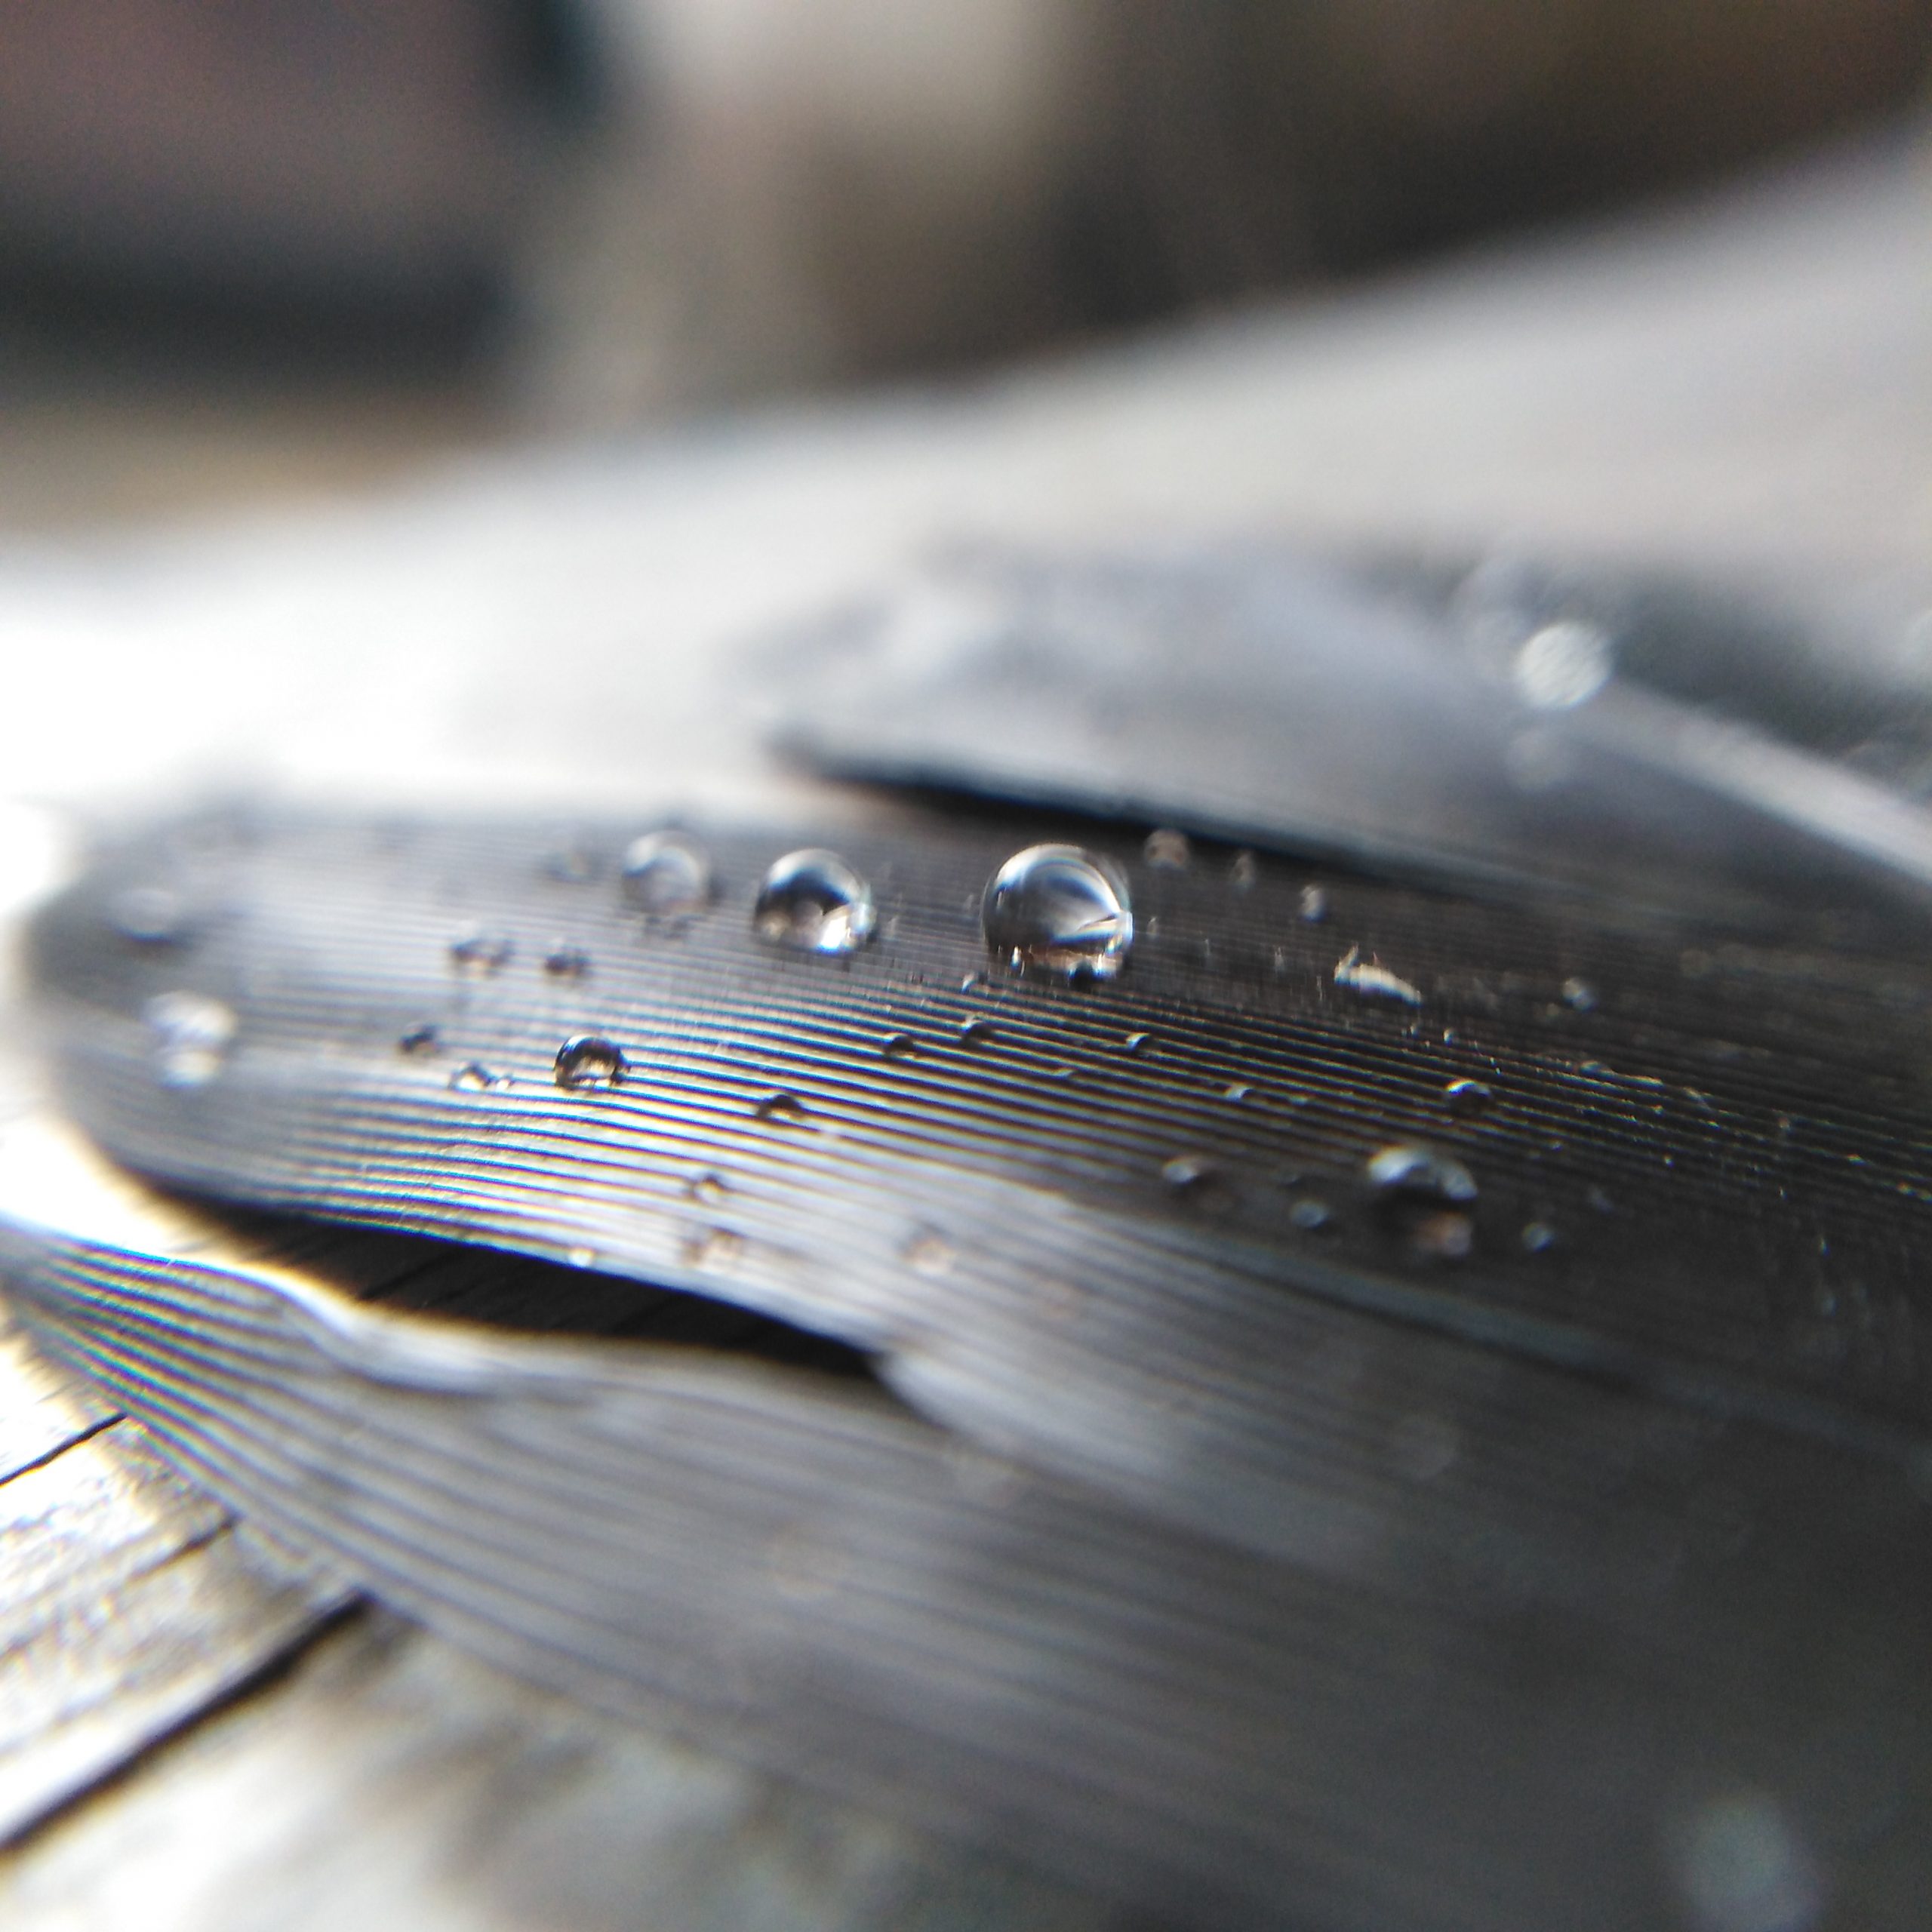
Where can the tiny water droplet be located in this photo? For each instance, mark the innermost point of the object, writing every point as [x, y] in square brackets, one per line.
[1314, 904]
[1579, 995]
[192, 1034]
[1190, 1173]
[973, 982]
[1561, 665]
[587, 1060]
[1447, 1236]
[1244, 871]
[1464, 1098]
[565, 962]
[708, 1189]
[1060, 911]
[482, 951]
[418, 1040]
[1414, 1170]
[978, 1033]
[475, 1078]
[581, 1257]
[901, 1046]
[666, 874]
[782, 1110]
[1537, 1237]
[1168, 850]
[1599, 1199]
[715, 1248]
[148, 914]
[1137, 1044]
[929, 1255]
[1371, 980]
[1237, 1090]
[1309, 1214]
[571, 864]
[813, 901]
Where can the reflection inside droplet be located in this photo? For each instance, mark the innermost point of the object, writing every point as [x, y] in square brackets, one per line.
[814, 901]
[589, 1060]
[1060, 911]
[192, 1034]
[1412, 1169]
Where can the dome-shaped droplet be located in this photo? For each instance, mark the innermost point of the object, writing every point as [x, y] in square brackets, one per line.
[1561, 665]
[482, 951]
[1309, 1214]
[782, 1110]
[192, 1034]
[148, 914]
[1168, 849]
[1057, 910]
[565, 962]
[476, 1078]
[1464, 1098]
[589, 1060]
[418, 1040]
[814, 901]
[666, 873]
[1414, 1170]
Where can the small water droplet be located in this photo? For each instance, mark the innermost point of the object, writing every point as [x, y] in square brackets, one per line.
[715, 1248]
[1464, 1098]
[1599, 1199]
[148, 914]
[1244, 871]
[1562, 665]
[901, 1046]
[422, 1039]
[1414, 1170]
[475, 1078]
[1309, 1214]
[565, 962]
[587, 1060]
[782, 1110]
[571, 864]
[1192, 1174]
[1058, 911]
[1168, 850]
[1447, 1236]
[708, 1189]
[1314, 904]
[1237, 1090]
[481, 952]
[973, 982]
[1579, 995]
[1372, 980]
[1137, 1044]
[192, 1034]
[814, 901]
[666, 874]
[1423, 1447]
[581, 1257]
[1537, 1237]
[978, 1033]
[931, 1256]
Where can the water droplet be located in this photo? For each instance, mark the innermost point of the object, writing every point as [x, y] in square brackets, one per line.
[1057, 910]
[1464, 1098]
[1137, 1044]
[1743, 1869]
[581, 1257]
[1562, 665]
[715, 1248]
[1423, 1447]
[782, 1110]
[1598, 1197]
[587, 1060]
[1309, 1214]
[571, 864]
[1168, 850]
[192, 1034]
[814, 901]
[1537, 1237]
[1578, 996]
[931, 1255]
[1448, 1236]
[666, 874]
[901, 1046]
[148, 914]
[1314, 904]
[978, 1033]
[1372, 980]
[418, 1040]
[482, 951]
[1412, 1169]
[972, 982]
[1237, 1090]
[709, 1188]
[565, 962]
[1244, 871]
[1190, 1173]
[476, 1078]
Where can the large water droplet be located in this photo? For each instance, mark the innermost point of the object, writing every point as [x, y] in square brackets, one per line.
[813, 900]
[1563, 665]
[1414, 1170]
[589, 1060]
[148, 914]
[667, 873]
[1057, 910]
[192, 1034]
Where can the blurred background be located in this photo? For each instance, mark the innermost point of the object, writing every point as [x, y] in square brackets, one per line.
[255, 250]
